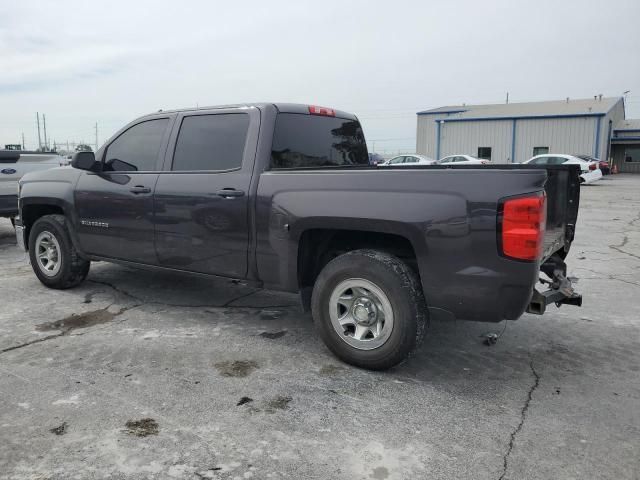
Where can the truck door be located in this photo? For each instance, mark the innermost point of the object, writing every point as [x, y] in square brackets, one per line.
[115, 206]
[202, 197]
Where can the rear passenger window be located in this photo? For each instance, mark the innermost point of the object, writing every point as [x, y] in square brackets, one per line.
[137, 148]
[211, 142]
[313, 141]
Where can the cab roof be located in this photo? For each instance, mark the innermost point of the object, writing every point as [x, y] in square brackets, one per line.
[300, 108]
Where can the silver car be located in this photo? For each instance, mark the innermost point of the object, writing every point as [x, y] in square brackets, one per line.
[407, 160]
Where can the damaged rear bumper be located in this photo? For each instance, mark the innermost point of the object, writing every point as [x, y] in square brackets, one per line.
[540, 300]
[561, 290]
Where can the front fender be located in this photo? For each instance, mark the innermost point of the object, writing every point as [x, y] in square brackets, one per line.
[46, 192]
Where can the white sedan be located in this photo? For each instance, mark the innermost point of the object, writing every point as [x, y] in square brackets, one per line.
[462, 160]
[590, 170]
[408, 161]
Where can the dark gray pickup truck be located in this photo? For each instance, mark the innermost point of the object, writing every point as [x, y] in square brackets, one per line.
[282, 196]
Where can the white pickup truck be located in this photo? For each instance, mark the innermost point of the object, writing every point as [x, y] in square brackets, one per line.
[13, 165]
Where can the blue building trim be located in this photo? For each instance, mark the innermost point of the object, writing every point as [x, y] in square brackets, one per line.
[524, 117]
[622, 139]
[513, 141]
[596, 146]
[438, 140]
[630, 130]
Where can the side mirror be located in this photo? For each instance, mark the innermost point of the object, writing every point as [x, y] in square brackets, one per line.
[84, 161]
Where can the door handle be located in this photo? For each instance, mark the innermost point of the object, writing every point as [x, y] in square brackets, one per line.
[230, 193]
[140, 189]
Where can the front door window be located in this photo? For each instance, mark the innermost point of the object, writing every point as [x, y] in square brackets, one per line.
[136, 150]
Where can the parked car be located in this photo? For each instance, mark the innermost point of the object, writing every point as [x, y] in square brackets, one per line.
[282, 196]
[375, 159]
[412, 160]
[462, 160]
[13, 165]
[602, 165]
[589, 169]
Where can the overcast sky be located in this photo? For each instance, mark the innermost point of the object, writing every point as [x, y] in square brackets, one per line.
[111, 61]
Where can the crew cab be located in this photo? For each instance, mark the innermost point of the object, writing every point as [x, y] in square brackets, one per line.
[282, 196]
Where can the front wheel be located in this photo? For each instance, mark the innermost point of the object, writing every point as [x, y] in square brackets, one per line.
[54, 258]
[369, 309]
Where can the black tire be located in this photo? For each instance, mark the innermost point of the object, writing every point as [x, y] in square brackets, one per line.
[73, 268]
[403, 290]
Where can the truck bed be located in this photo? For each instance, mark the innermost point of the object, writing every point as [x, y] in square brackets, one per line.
[448, 214]
[563, 198]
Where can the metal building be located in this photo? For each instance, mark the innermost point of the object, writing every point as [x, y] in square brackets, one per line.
[625, 146]
[514, 132]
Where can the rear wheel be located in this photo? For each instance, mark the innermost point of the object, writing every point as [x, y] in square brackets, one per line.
[54, 259]
[369, 309]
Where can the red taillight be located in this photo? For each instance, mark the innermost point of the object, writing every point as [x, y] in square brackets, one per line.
[327, 112]
[593, 166]
[522, 227]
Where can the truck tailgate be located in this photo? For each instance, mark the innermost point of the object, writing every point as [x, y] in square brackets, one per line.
[563, 198]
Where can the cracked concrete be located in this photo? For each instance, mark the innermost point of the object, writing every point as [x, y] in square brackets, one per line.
[523, 417]
[556, 397]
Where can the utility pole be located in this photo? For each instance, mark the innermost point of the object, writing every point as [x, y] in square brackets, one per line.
[507, 98]
[23, 141]
[96, 149]
[44, 126]
[39, 139]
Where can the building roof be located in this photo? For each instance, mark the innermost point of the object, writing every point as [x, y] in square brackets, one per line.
[577, 107]
[630, 124]
[447, 109]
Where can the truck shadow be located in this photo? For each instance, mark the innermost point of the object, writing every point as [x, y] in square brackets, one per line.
[454, 355]
[451, 350]
[7, 238]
